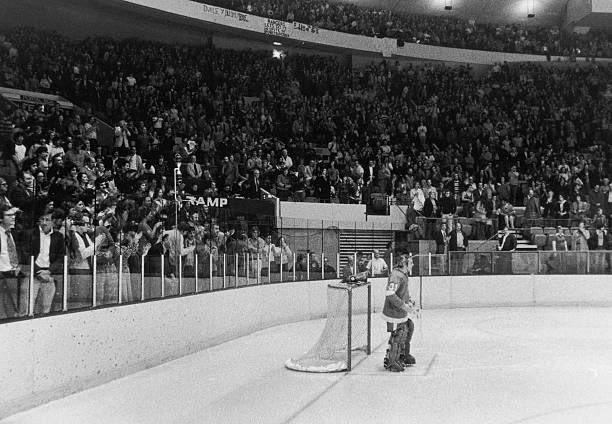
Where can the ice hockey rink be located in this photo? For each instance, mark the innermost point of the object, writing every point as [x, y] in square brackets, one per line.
[490, 365]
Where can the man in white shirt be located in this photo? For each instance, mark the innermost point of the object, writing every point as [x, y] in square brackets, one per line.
[47, 249]
[20, 150]
[377, 265]
[422, 132]
[285, 159]
[176, 247]
[135, 167]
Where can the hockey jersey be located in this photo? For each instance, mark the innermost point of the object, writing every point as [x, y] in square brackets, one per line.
[397, 295]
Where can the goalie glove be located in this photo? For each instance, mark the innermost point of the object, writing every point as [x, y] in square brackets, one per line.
[412, 310]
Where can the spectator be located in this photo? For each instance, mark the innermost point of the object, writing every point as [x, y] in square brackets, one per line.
[4, 200]
[81, 251]
[532, 209]
[47, 247]
[457, 245]
[448, 208]
[579, 209]
[562, 210]
[284, 255]
[11, 277]
[580, 243]
[507, 245]
[508, 213]
[258, 250]
[431, 212]
[377, 266]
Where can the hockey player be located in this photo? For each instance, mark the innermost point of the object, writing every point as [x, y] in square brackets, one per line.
[398, 311]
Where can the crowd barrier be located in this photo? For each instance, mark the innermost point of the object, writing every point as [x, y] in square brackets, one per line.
[146, 278]
[49, 358]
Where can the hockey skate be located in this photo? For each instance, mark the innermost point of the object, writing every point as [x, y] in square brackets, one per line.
[394, 366]
[408, 360]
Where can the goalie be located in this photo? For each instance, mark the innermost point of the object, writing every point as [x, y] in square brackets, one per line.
[398, 311]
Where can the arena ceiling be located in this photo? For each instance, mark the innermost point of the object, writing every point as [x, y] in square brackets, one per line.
[547, 12]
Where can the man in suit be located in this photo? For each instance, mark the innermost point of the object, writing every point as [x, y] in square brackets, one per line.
[507, 243]
[431, 211]
[47, 249]
[192, 170]
[252, 187]
[23, 197]
[442, 238]
[457, 244]
[10, 271]
[370, 172]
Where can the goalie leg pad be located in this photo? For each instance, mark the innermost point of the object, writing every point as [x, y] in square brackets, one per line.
[408, 330]
[393, 360]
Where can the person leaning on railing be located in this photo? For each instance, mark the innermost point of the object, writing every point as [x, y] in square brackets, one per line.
[448, 208]
[580, 243]
[47, 249]
[377, 266]
[458, 243]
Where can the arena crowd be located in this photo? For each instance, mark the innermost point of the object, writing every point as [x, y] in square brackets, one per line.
[447, 141]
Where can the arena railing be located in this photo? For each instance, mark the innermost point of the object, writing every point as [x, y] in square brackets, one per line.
[128, 279]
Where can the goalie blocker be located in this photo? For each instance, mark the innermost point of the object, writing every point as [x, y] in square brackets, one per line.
[399, 311]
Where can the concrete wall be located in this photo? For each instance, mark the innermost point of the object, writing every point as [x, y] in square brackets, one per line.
[515, 290]
[51, 357]
[342, 216]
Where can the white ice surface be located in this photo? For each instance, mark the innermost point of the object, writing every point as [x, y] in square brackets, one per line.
[498, 365]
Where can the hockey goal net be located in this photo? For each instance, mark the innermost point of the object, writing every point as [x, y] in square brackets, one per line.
[347, 332]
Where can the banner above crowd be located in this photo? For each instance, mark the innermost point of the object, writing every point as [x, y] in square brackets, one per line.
[386, 47]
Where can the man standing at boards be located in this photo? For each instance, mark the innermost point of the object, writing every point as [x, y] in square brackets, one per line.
[47, 247]
[507, 245]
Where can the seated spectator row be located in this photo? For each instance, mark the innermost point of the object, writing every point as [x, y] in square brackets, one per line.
[429, 29]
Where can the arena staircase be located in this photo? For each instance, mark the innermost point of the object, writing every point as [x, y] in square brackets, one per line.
[523, 243]
[352, 241]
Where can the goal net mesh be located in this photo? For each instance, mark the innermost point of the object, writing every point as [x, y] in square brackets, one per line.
[329, 354]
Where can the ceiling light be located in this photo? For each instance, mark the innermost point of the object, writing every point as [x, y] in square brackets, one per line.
[276, 43]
